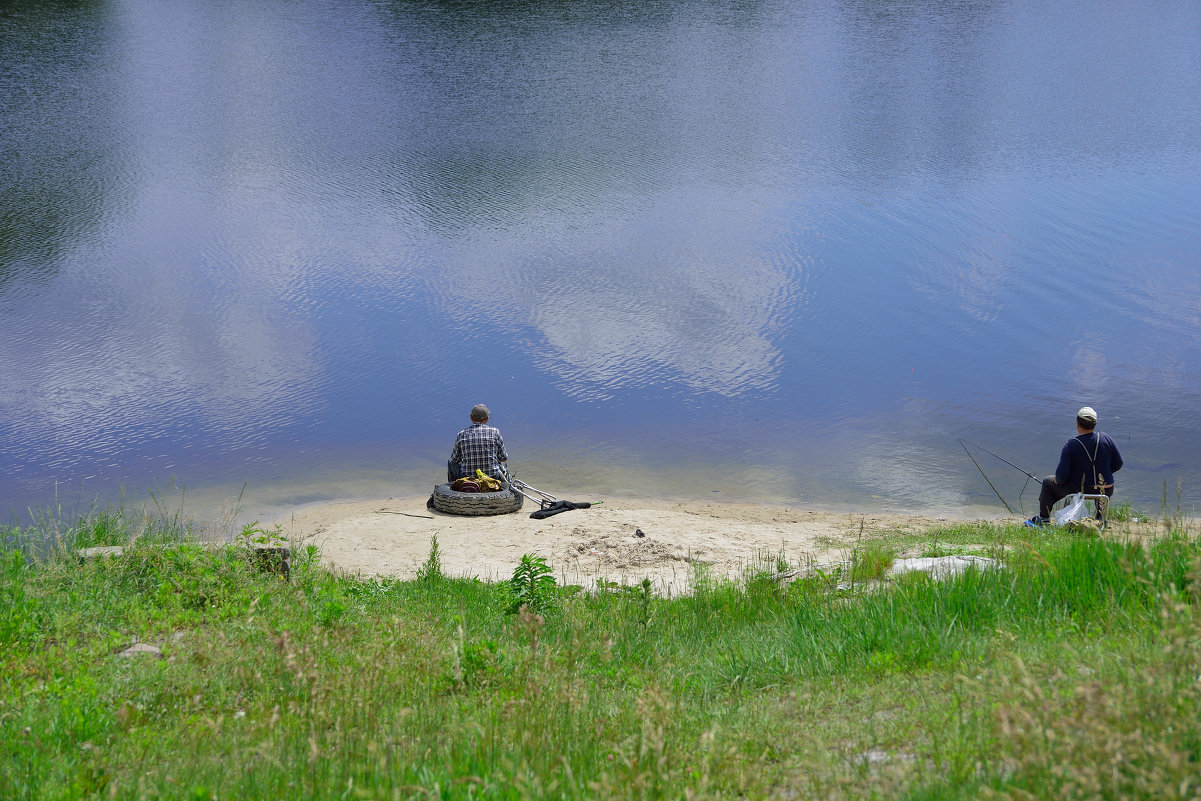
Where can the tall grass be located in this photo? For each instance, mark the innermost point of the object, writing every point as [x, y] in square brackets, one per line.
[1035, 680]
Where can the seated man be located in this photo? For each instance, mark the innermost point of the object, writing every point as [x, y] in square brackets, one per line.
[477, 447]
[1086, 464]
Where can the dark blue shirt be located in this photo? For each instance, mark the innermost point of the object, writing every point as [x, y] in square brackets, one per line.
[1088, 461]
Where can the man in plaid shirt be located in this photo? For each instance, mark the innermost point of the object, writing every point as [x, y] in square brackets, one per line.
[478, 447]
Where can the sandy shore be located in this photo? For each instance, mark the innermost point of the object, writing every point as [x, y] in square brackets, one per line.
[621, 539]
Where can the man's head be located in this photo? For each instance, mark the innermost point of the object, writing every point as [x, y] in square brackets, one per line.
[479, 413]
[1086, 418]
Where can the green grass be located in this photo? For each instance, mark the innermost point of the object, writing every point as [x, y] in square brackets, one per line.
[1071, 673]
[870, 561]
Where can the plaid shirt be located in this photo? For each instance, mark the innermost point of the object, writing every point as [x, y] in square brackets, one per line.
[479, 447]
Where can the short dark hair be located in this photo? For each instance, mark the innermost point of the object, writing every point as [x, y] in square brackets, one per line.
[1087, 425]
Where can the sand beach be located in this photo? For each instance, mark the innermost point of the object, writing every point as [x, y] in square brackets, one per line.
[619, 539]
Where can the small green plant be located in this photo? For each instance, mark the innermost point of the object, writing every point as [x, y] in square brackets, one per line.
[644, 593]
[309, 556]
[871, 562]
[306, 563]
[477, 664]
[914, 578]
[1173, 521]
[766, 576]
[330, 606]
[254, 534]
[936, 549]
[100, 529]
[431, 570]
[1121, 513]
[762, 584]
[19, 614]
[1126, 513]
[532, 585]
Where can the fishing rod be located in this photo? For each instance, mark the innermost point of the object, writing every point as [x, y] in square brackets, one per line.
[1026, 473]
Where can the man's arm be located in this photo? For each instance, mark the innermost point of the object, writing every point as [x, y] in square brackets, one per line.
[1115, 461]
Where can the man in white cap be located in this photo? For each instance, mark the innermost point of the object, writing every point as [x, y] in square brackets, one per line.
[477, 447]
[1086, 464]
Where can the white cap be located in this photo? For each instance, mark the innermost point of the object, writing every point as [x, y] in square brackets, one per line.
[1087, 413]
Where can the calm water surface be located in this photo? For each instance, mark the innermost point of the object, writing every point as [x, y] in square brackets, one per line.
[741, 250]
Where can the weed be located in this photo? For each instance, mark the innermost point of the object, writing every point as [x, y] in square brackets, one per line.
[20, 615]
[309, 556]
[643, 594]
[104, 528]
[1123, 513]
[478, 664]
[254, 534]
[532, 585]
[331, 605]
[936, 549]
[912, 579]
[1173, 519]
[818, 583]
[431, 569]
[870, 562]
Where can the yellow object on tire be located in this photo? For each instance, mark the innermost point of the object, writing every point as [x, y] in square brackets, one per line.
[487, 483]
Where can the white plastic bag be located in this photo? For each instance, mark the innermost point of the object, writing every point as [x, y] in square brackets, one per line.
[1074, 510]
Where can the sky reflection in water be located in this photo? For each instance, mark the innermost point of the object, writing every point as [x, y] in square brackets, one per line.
[774, 252]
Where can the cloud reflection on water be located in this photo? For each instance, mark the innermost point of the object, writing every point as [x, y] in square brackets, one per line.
[682, 296]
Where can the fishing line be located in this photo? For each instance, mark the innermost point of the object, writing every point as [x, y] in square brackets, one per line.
[1026, 473]
[981, 469]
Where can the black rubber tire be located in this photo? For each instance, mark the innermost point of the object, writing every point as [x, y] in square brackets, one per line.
[450, 502]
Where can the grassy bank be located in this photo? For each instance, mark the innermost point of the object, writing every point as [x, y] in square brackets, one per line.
[1073, 672]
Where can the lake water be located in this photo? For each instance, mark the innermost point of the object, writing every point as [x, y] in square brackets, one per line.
[735, 250]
